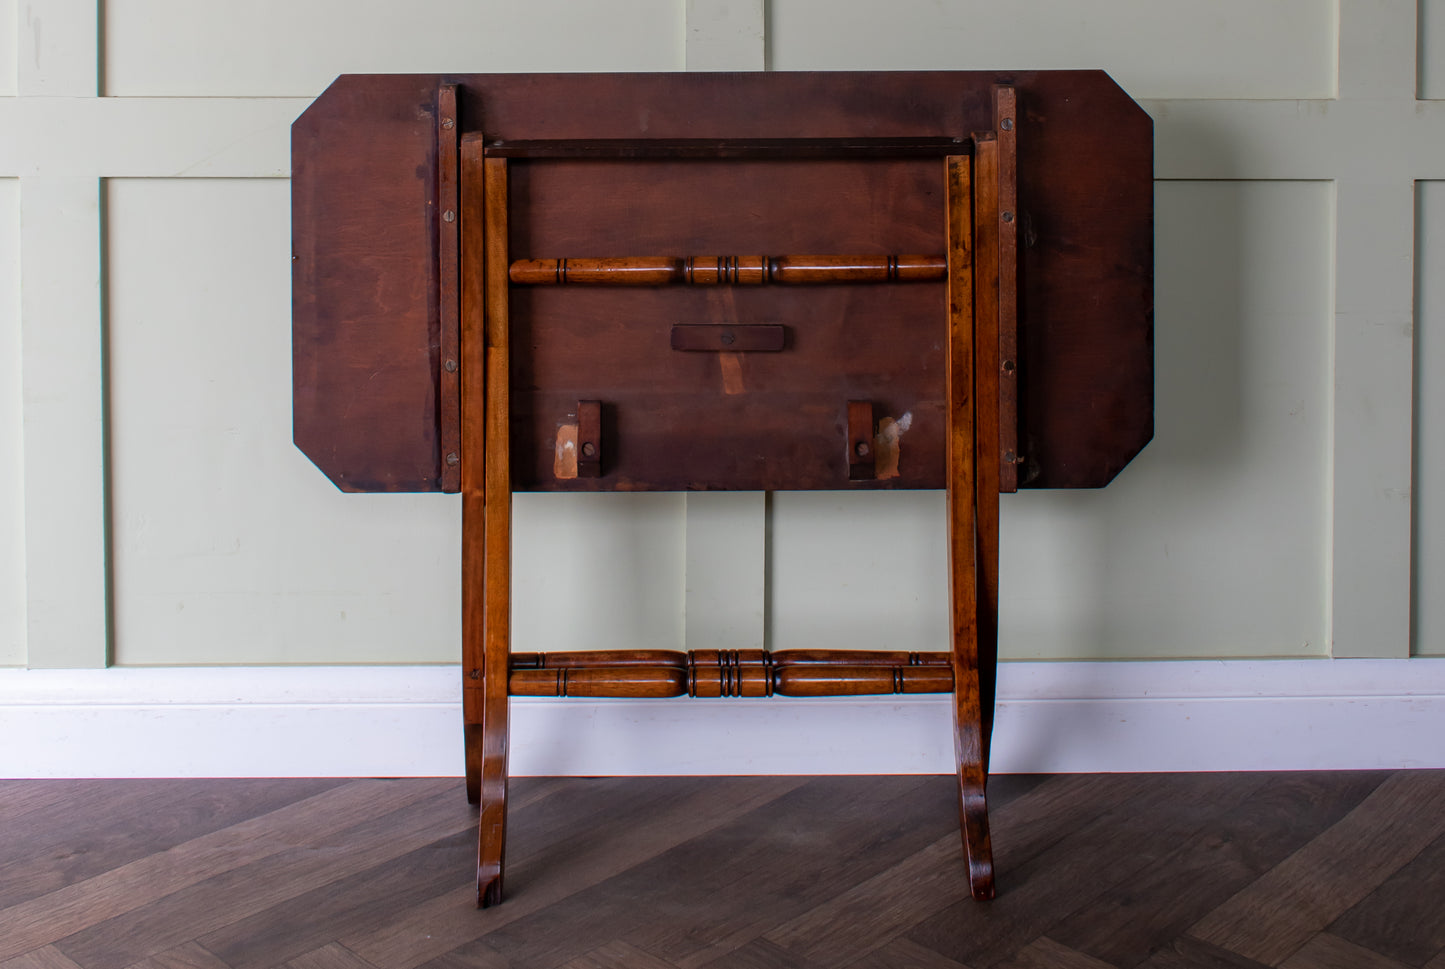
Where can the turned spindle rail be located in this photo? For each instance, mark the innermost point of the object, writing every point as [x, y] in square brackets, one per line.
[728, 673]
[729, 270]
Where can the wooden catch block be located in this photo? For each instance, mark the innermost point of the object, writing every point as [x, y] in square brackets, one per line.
[860, 440]
[589, 438]
[729, 337]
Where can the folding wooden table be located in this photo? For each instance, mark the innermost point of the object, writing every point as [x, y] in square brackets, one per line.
[848, 281]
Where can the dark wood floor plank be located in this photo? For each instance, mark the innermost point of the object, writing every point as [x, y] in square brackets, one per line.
[1160, 812]
[762, 954]
[473, 955]
[617, 955]
[1189, 953]
[55, 915]
[45, 957]
[1326, 951]
[1045, 953]
[551, 857]
[735, 884]
[345, 906]
[867, 915]
[102, 825]
[308, 863]
[1278, 913]
[904, 953]
[187, 955]
[701, 881]
[761, 873]
[333, 956]
[1411, 897]
[1125, 926]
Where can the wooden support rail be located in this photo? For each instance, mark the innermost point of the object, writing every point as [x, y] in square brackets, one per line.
[728, 270]
[733, 673]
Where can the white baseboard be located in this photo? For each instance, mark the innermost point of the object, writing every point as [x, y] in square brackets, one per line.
[406, 721]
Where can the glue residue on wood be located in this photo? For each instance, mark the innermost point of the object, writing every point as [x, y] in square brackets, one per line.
[887, 445]
[564, 458]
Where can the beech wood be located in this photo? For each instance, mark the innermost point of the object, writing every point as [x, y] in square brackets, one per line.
[962, 532]
[728, 270]
[491, 840]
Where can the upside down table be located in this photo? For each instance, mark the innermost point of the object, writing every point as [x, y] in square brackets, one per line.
[723, 281]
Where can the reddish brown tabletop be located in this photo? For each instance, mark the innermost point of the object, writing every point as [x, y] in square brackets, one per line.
[371, 393]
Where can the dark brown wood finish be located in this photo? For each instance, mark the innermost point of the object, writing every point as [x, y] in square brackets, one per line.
[963, 528]
[449, 387]
[497, 563]
[1006, 131]
[473, 371]
[368, 361]
[987, 220]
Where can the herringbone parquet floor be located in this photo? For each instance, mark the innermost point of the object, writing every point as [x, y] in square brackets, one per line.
[1191, 871]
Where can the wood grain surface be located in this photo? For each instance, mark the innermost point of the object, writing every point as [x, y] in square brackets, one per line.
[1113, 870]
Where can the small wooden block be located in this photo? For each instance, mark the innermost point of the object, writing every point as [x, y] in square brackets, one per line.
[589, 439]
[860, 440]
[729, 337]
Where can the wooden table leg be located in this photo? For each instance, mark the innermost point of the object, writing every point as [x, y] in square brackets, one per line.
[970, 741]
[486, 504]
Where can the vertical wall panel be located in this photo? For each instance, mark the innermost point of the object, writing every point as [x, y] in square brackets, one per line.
[12, 460]
[280, 47]
[1212, 543]
[229, 546]
[1153, 48]
[9, 52]
[1429, 530]
[1431, 40]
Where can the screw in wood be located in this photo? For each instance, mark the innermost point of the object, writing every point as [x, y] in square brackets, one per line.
[1007, 217]
[449, 216]
[451, 366]
[1008, 124]
[861, 449]
[589, 449]
[453, 459]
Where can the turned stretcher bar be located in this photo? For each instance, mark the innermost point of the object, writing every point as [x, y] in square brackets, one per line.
[659, 673]
[728, 270]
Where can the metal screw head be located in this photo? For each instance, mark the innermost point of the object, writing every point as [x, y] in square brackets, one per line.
[453, 459]
[1007, 124]
[861, 449]
[449, 216]
[1007, 217]
[589, 449]
[451, 366]
[726, 339]
[1008, 458]
[1008, 366]
[448, 123]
